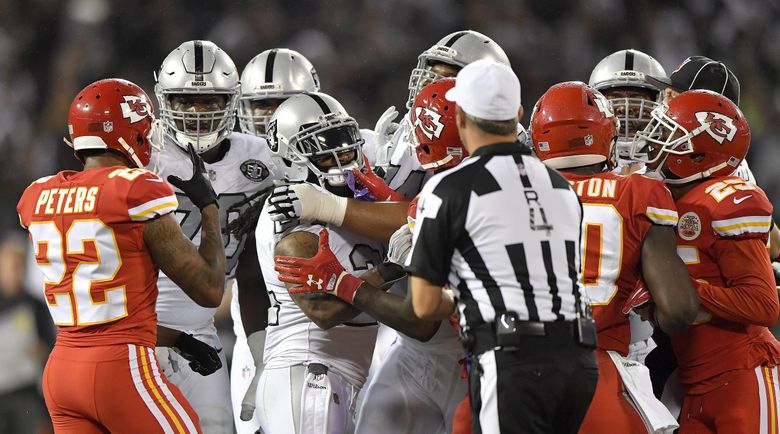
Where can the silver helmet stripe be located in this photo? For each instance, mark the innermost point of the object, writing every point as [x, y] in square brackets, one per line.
[198, 60]
[321, 102]
[629, 60]
[454, 38]
[269, 66]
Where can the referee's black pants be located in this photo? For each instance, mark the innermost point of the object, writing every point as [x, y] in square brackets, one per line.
[544, 385]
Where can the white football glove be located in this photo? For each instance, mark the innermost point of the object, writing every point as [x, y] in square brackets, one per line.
[305, 202]
[400, 245]
[384, 130]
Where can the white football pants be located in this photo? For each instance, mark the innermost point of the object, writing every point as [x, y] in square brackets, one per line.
[412, 392]
[209, 395]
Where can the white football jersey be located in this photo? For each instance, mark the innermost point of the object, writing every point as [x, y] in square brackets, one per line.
[244, 170]
[291, 337]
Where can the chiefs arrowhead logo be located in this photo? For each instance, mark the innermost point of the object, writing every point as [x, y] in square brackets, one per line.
[429, 122]
[134, 108]
[721, 127]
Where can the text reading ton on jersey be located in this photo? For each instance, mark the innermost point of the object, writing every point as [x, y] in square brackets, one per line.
[69, 200]
[597, 187]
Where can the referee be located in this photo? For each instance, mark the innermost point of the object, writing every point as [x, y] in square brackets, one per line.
[503, 231]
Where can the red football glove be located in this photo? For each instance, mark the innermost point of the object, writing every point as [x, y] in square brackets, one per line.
[639, 298]
[320, 274]
[376, 185]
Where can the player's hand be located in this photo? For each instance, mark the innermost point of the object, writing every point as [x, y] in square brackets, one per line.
[291, 203]
[284, 205]
[384, 129]
[376, 185]
[400, 245]
[320, 274]
[198, 188]
[204, 359]
[640, 301]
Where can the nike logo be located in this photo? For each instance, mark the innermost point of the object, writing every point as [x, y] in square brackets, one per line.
[738, 201]
[154, 179]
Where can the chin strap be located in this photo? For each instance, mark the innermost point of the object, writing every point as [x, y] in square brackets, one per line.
[130, 152]
[696, 176]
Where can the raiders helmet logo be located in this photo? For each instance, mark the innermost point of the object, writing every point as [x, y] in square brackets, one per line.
[134, 108]
[254, 170]
[429, 122]
[721, 127]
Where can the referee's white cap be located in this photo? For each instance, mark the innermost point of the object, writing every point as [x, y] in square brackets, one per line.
[487, 90]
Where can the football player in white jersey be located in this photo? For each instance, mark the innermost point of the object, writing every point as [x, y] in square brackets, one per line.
[197, 90]
[623, 78]
[318, 348]
[395, 157]
[267, 80]
[418, 384]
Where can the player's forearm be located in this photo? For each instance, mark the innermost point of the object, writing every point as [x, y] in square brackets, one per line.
[326, 311]
[376, 220]
[213, 253]
[394, 311]
[166, 337]
[753, 301]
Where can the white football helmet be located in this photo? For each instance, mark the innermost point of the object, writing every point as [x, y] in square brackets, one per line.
[308, 129]
[193, 69]
[278, 73]
[626, 70]
[458, 49]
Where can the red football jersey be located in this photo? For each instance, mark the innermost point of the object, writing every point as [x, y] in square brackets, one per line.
[721, 236]
[617, 213]
[87, 234]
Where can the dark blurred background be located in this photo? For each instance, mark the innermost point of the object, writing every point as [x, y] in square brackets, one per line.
[363, 52]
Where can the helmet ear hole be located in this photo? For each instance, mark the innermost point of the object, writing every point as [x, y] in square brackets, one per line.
[426, 149]
[697, 158]
[140, 140]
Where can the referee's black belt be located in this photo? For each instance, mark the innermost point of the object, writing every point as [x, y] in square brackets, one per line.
[483, 338]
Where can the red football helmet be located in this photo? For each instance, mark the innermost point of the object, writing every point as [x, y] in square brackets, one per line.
[436, 138]
[700, 134]
[572, 125]
[112, 114]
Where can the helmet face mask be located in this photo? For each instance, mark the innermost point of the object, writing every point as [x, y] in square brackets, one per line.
[700, 134]
[255, 114]
[621, 77]
[197, 90]
[455, 51]
[309, 144]
[268, 79]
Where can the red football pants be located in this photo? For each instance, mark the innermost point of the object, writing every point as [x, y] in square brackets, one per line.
[745, 402]
[610, 411]
[116, 389]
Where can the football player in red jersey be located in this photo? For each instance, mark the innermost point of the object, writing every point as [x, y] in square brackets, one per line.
[728, 358]
[99, 236]
[627, 232]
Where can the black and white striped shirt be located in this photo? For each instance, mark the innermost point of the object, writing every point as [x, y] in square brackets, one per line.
[503, 230]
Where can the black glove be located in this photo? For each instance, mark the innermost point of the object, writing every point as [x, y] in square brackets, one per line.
[198, 188]
[203, 358]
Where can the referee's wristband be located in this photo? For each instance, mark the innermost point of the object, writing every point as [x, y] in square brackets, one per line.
[390, 272]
